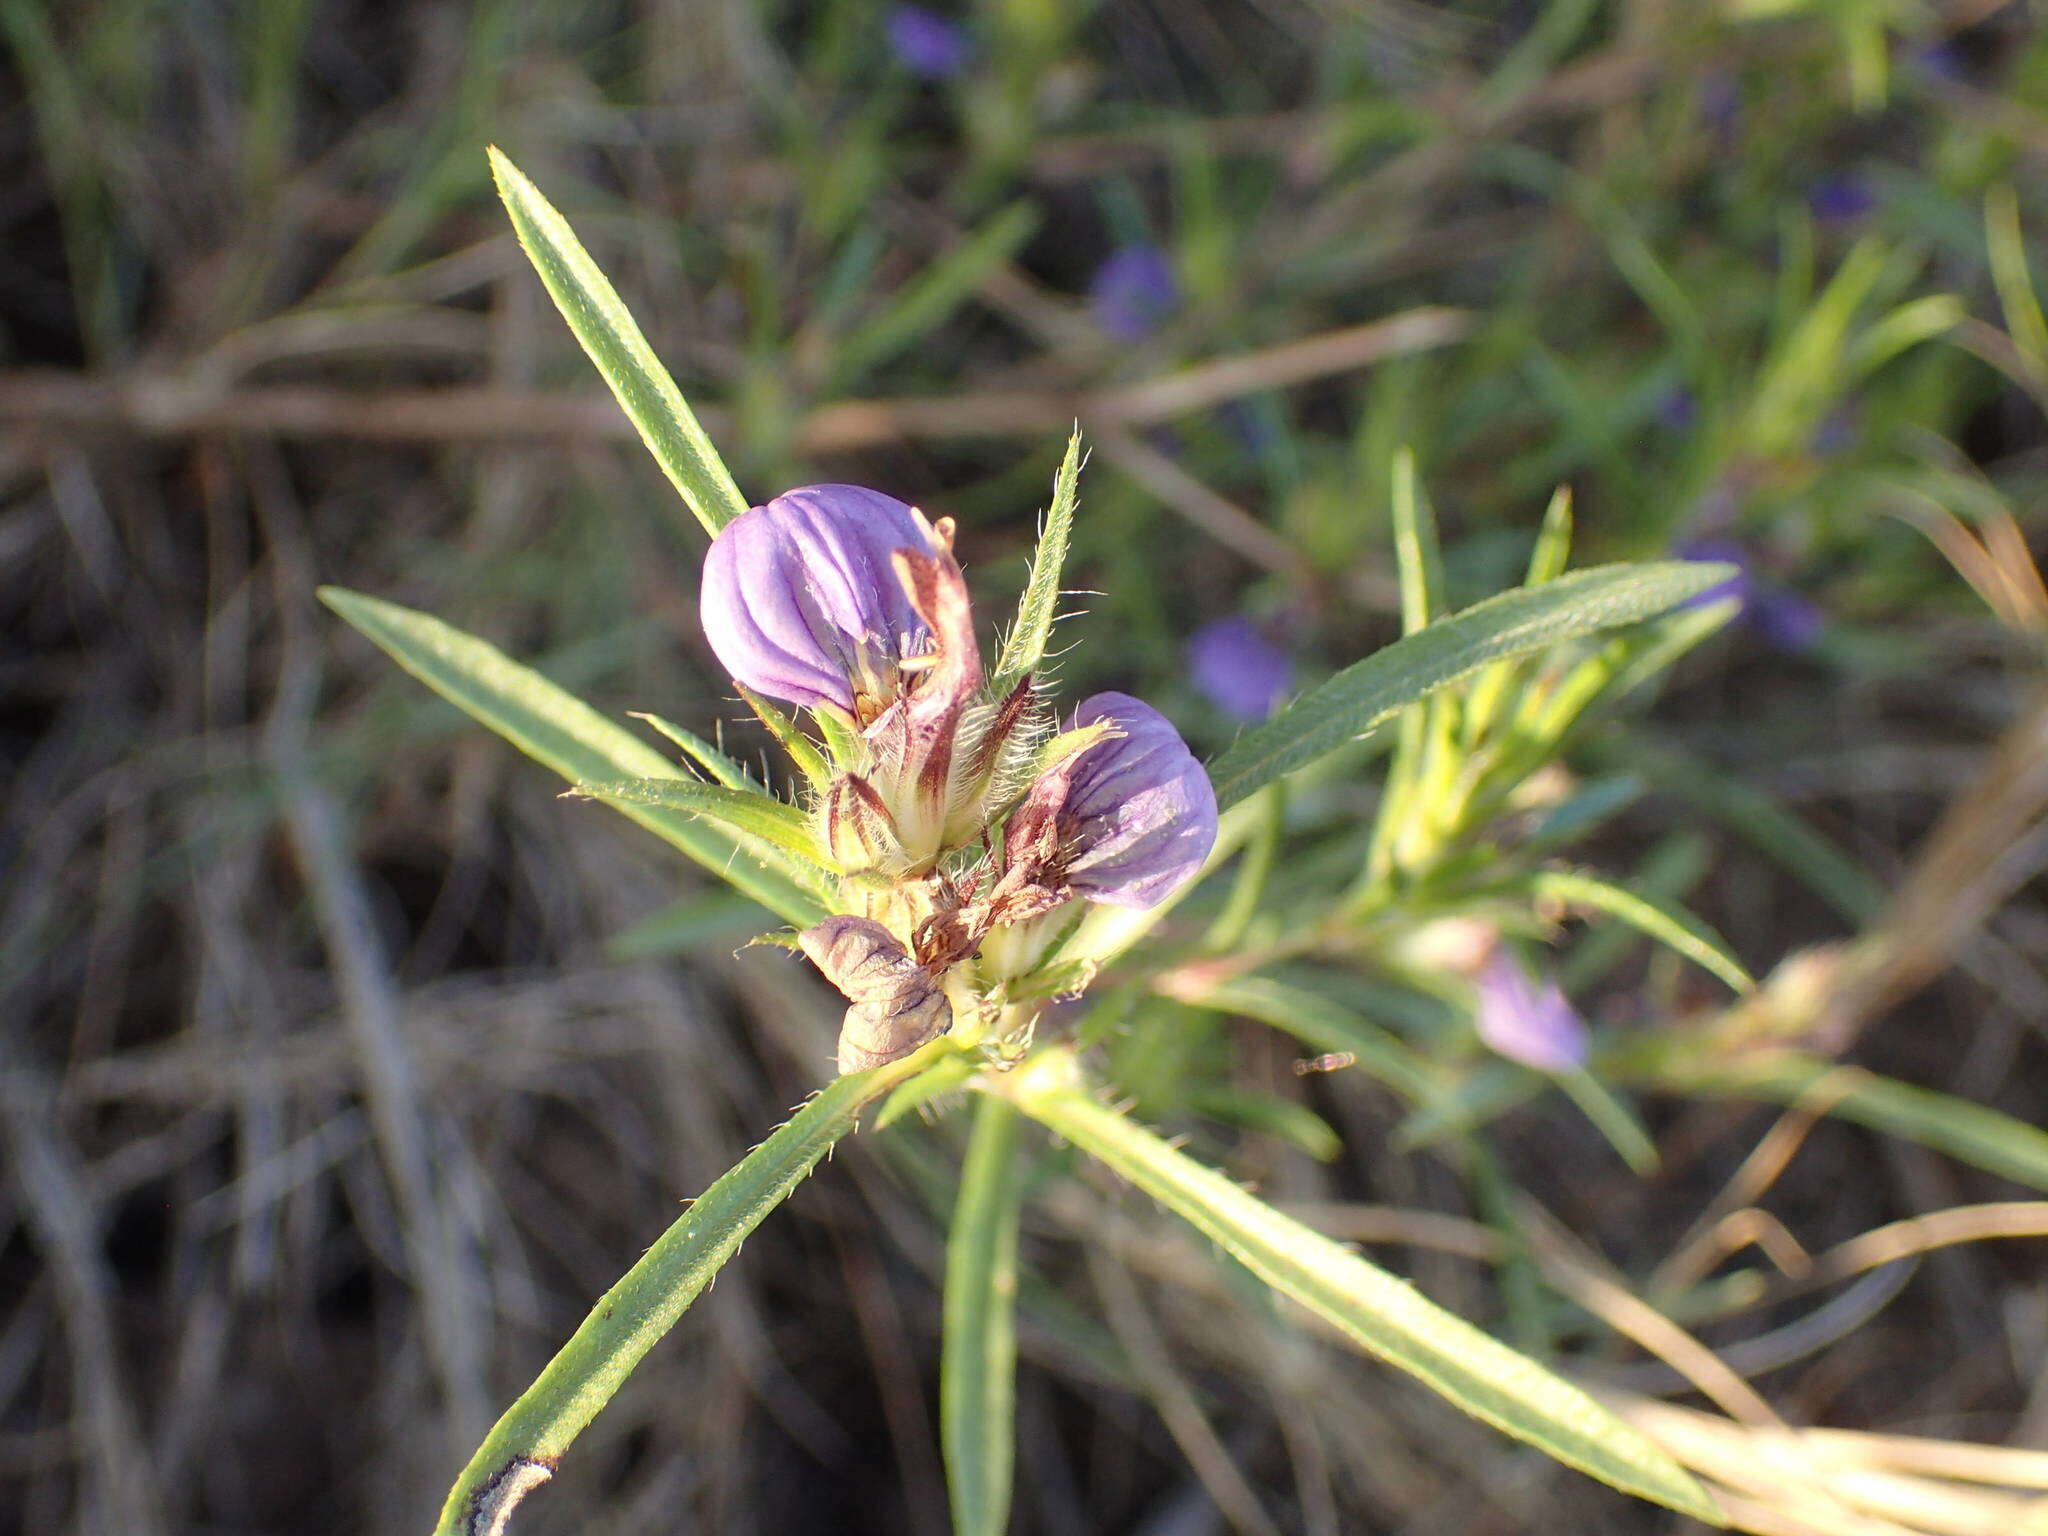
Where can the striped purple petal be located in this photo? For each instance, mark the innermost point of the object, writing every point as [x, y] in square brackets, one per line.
[1139, 811]
[801, 601]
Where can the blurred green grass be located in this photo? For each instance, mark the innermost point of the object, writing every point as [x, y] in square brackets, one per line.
[1754, 274]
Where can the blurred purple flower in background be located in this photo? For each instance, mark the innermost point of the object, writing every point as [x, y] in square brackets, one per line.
[1841, 199]
[1721, 105]
[1942, 62]
[1236, 668]
[927, 44]
[1677, 410]
[1779, 615]
[1133, 291]
[1527, 1020]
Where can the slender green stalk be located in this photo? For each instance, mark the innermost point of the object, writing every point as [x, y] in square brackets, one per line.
[523, 1448]
[1363, 1302]
[1254, 872]
[977, 1376]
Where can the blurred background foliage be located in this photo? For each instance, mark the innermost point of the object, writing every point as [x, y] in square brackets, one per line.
[344, 1063]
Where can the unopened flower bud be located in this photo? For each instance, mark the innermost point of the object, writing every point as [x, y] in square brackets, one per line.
[801, 601]
[859, 832]
[1138, 818]
[894, 1005]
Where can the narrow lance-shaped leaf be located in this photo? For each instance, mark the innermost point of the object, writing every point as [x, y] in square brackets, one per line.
[1378, 1312]
[942, 286]
[599, 318]
[558, 729]
[1369, 692]
[1666, 922]
[1977, 1134]
[977, 1373]
[1416, 553]
[736, 810]
[1025, 647]
[523, 1448]
[704, 754]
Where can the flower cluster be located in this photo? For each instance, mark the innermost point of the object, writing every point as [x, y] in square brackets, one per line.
[964, 826]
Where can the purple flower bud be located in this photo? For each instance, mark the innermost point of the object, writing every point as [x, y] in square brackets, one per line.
[1139, 816]
[1526, 1020]
[927, 44]
[1133, 291]
[1238, 669]
[801, 600]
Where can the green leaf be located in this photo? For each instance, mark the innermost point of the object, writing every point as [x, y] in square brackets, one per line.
[977, 1373]
[940, 287]
[598, 316]
[711, 759]
[1666, 922]
[947, 1076]
[1383, 1315]
[810, 762]
[719, 920]
[737, 810]
[1323, 1025]
[1969, 1132]
[1416, 555]
[1025, 646]
[1614, 1120]
[1553, 540]
[559, 730]
[522, 1448]
[1369, 692]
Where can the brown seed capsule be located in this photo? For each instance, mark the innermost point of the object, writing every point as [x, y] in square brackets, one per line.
[893, 1004]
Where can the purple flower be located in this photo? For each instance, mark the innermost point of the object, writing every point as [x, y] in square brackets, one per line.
[1677, 410]
[1785, 619]
[1238, 669]
[1142, 814]
[1781, 616]
[1840, 199]
[1942, 62]
[1721, 105]
[1526, 1020]
[1125, 822]
[927, 44]
[1133, 291]
[802, 602]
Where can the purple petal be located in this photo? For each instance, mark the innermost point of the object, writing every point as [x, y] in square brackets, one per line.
[1238, 669]
[800, 600]
[1139, 808]
[1133, 291]
[926, 43]
[1526, 1020]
